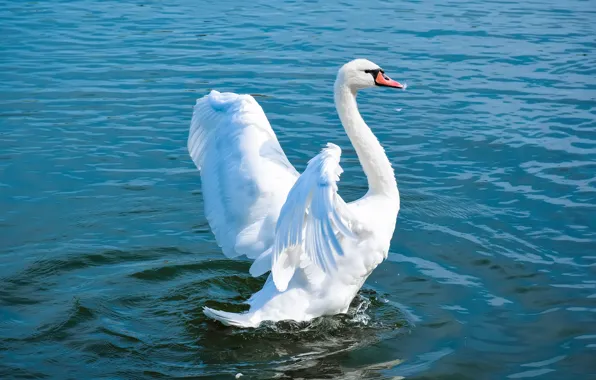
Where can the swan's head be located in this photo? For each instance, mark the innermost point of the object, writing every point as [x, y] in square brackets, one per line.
[362, 73]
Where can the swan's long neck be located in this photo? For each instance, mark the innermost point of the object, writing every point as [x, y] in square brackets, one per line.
[374, 161]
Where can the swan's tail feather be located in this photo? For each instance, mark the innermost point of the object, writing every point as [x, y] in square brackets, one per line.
[230, 319]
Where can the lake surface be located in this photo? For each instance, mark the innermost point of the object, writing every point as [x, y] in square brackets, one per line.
[106, 258]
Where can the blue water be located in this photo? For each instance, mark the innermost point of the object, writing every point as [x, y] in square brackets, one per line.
[106, 258]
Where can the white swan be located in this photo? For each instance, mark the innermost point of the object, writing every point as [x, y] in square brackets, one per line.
[319, 249]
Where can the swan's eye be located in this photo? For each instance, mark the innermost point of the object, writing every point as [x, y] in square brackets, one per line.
[374, 72]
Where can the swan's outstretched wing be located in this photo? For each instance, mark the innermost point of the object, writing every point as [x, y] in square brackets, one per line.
[313, 220]
[245, 174]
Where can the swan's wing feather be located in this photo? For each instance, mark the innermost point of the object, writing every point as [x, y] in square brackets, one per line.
[245, 174]
[311, 219]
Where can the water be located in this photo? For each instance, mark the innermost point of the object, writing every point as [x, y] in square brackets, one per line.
[105, 255]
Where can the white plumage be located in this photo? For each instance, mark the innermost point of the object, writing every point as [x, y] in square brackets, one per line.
[319, 249]
[245, 173]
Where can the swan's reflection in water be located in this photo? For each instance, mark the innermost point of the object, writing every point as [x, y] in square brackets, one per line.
[318, 349]
[319, 368]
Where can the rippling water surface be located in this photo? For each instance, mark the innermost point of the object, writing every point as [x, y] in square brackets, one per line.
[106, 258]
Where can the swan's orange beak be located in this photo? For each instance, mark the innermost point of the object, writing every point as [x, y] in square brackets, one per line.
[383, 80]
